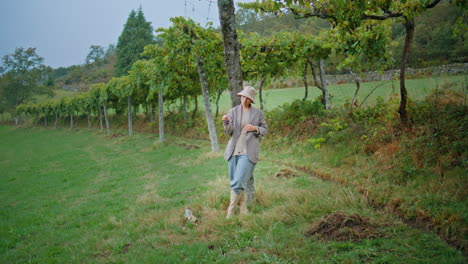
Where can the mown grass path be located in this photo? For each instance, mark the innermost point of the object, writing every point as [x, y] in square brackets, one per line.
[81, 197]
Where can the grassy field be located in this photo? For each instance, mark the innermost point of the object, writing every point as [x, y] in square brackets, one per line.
[81, 197]
[341, 93]
[58, 94]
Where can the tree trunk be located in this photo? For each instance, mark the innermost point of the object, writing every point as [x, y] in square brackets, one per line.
[45, 120]
[56, 119]
[306, 86]
[161, 114]
[151, 110]
[357, 80]
[130, 118]
[35, 120]
[206, 99]
[260, 93]
[409, 26]
[317, 82]
[353, 102]
[71, 120]
[184, 107]
[106, 118]
[100, 117]
[89, 120]
[231, 48]
[195, 110]
[323, 81]
[218, 96]
[16, 120]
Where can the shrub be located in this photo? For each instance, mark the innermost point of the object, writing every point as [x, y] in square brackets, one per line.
[377, 125]
[440, 127]
[330, 131]
[296, 119]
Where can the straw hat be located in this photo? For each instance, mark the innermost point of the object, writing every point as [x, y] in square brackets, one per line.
[249, 92]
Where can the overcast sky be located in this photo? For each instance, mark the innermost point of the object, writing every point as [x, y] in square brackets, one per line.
[63, 30]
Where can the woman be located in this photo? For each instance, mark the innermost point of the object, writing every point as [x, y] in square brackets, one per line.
[246, 125]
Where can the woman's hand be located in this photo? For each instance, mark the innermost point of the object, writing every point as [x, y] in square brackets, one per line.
[250, 127]
[225, 117]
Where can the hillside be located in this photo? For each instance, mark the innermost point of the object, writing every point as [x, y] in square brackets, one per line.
[78, 78]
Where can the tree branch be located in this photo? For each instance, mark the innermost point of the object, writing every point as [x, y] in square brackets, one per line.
[325, 15]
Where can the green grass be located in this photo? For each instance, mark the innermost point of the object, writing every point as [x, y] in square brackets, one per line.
[81, 197]
[58, 94]
[417, 89]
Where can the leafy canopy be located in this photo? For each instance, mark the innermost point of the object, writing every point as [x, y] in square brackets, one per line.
[23, 76]
[137, 33]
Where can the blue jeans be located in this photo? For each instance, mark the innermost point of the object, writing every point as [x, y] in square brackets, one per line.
[240, 171]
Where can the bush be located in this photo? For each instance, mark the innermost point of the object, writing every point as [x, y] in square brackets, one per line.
[331, 131]
[440, 128]
[296, 119]
[376, 125]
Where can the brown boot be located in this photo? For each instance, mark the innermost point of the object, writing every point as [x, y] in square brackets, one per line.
[233, 201]
[243, 203]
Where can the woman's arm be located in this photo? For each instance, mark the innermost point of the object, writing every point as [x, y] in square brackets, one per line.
[262, 127]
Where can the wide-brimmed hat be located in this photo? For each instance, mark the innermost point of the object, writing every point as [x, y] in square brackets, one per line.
[249, 92]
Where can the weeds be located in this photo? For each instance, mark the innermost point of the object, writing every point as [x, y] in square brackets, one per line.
[405, 162]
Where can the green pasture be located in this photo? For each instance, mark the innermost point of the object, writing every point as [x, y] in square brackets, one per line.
[341, 93]
[82, 197]
[58, 94]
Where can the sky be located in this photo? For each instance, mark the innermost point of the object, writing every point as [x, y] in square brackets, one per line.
[63, 30]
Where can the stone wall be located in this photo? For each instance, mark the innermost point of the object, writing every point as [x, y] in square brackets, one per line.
[450, 69]
[72, 88]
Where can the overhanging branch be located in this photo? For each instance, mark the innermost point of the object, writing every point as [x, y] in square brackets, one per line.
[325, 15]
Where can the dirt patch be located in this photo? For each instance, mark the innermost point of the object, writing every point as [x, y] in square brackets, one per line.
[286, 173]
[343, 227]
[187, 146]
[125, 248]
[104, 254]
[116, 135]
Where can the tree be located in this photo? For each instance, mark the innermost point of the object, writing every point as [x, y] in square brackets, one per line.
[125, 90]
[307, 50]
[434, 39]
[110, 51]
[96, 54]
[231, 48]
[56, 110]
[94, 97]
[101, 95]
[137, 33]
[362, 50]
[349, 15]
[70, 106]
[25, 75]
[197, 44]
[161, 72]
[155, 77]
